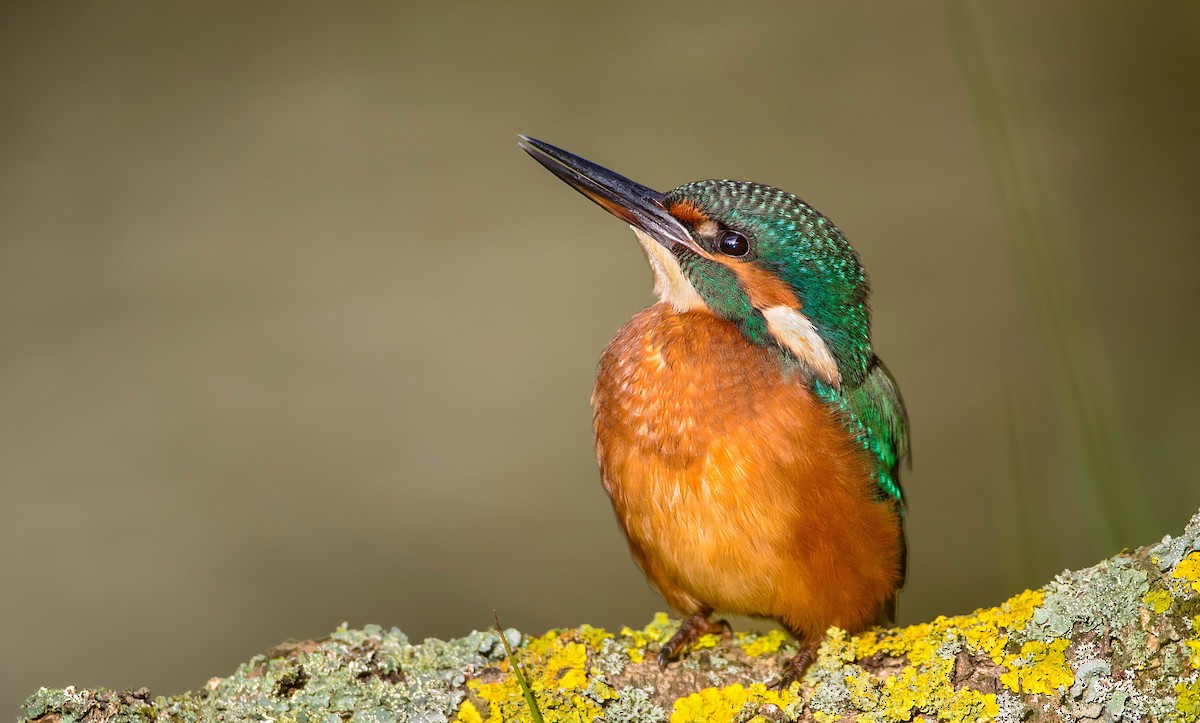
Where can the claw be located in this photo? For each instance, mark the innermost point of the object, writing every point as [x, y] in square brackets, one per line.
[664, 659]
[689, 632]
[794, 669]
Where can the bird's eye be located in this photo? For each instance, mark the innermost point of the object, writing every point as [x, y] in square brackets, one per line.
[733, 243]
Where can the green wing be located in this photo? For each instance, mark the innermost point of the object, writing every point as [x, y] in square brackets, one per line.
[875, 413]
[876, 409]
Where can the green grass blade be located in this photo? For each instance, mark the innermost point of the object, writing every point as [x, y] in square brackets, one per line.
[534, 712]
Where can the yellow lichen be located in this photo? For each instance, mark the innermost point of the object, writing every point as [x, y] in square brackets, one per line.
[922, 651]
[864, 691]
[567, 667]
[604, 691]
[970, 706]
[503, 699]
[1193, 647]
[836, 648]
[468, 714]
[764, 643]
[1187, 701]
[1040, 668]
[984, 631]
[1157, 600]
[724, 704]
[925, 685]
[594, 637]
[930, 690]
[660, 629]
[1188, 570]
[1016, 611]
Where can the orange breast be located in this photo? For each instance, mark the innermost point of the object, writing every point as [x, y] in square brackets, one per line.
[737, 489]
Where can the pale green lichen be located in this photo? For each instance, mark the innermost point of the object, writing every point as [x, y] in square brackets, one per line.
[1171, 550]
[370, 674]
[634, 705]
[1091, 600]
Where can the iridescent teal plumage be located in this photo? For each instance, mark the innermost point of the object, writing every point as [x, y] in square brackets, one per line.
[876, 414]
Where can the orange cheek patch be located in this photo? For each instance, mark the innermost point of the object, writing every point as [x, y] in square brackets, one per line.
[689, 213]
[764, 289]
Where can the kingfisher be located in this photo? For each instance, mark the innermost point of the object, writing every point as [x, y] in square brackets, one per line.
[747, 434]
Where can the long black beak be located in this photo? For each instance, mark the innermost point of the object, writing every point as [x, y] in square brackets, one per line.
[633, 203]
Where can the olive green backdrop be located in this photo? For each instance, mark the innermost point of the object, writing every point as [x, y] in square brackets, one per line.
[291, 333]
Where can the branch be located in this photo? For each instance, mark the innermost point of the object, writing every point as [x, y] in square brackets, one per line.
[1118, 641]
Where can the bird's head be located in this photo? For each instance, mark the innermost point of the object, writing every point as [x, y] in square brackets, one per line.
[752, 254]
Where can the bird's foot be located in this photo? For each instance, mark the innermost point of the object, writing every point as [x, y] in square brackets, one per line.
[689, 632]
[794, 669]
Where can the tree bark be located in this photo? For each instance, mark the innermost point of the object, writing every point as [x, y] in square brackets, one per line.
[1119, 641]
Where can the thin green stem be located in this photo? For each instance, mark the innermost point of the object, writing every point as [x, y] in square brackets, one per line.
[534, 712]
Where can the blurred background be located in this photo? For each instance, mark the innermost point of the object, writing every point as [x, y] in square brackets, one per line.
[291, 333]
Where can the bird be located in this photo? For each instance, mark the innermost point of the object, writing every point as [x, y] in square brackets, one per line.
[748, 436]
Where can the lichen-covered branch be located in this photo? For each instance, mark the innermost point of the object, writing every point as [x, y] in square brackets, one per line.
[1116, 642]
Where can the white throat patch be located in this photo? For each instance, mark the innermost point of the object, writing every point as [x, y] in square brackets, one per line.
[670, 284]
